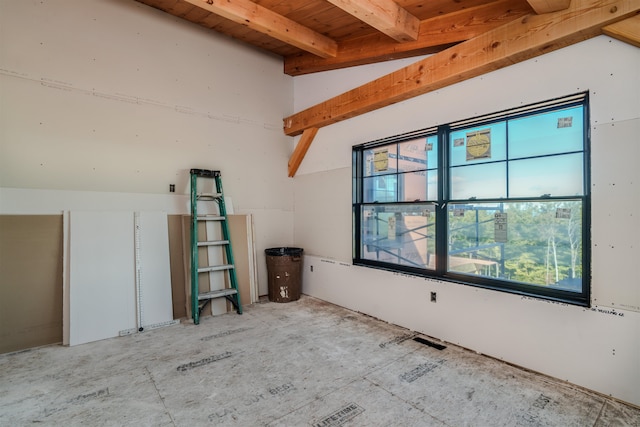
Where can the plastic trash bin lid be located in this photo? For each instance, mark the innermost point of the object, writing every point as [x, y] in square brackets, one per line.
[283, 251]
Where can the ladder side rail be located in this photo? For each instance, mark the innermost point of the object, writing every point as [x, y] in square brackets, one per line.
[228, 251]
[195, 310]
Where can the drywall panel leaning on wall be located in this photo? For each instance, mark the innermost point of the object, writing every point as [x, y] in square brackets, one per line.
[119, 275]
[153, 272]
[102, 275]
[241, 231]
[244, 255]
[30, 281]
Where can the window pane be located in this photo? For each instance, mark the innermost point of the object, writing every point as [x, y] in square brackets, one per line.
[548, 133]
[413, 186]
[380, 189]
[418, 186]
[555, 176]
[412, 155]
[432, 152]
[399, 234]
[479, 181]
[380, 160]
[480, 144]
[432, 185]
[537, 243]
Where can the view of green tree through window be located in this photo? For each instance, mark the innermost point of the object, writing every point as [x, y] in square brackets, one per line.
[499, 201]
[538, 243]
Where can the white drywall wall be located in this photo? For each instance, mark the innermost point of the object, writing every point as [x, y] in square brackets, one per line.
[599, 347]
[104, 104]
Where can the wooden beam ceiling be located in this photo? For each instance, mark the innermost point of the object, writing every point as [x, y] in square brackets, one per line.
[434, 33]
[466, 38]
[627, 30]
[320, 35]
[261, 19]
[384, 15]
[511, 43]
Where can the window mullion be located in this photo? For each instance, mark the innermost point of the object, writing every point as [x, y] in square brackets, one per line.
[357, 204]
[507, 160]
[443, 197]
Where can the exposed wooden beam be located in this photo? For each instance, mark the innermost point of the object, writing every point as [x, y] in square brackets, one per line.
[301, 149]
[384, 15]
[525, 38]
[627, 30]
[434, 33]
[261, 19]
[548, 6]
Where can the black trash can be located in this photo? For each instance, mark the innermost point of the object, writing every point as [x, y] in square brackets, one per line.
[284, 269]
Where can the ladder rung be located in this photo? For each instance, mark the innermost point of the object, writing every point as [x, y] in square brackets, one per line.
[211, 218]
[208, 196]
[215, 268]
[214, 243]
[216, 294]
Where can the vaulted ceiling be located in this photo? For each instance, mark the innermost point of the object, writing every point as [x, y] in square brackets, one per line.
[318, 35]
[466, 37]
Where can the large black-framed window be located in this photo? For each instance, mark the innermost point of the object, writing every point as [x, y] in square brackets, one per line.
[499, 201]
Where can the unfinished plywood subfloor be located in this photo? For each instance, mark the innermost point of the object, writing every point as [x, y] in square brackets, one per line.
[294, 364]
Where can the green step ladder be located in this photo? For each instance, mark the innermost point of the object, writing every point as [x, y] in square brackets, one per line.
[199, 300]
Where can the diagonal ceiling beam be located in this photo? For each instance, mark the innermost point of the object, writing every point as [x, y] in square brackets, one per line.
[301, 149]
[279, 27]
[525, 38]
[627, 30]
[548, 6]
[384, 15]
[434, 33]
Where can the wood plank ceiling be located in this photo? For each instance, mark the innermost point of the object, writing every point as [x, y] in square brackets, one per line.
[465, 37]
[320, 35]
